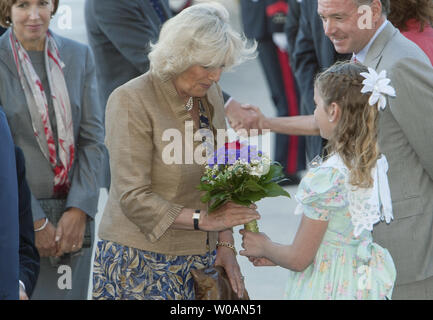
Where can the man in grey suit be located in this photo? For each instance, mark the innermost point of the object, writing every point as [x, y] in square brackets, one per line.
[405, 133]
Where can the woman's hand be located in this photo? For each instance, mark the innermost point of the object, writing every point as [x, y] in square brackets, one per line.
[44, 239]
[253, 243]
[226, 257]
[227, 216]
[261, 262]
[70, 231]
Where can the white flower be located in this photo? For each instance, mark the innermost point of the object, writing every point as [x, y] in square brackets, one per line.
[257, 171]
[378, 85]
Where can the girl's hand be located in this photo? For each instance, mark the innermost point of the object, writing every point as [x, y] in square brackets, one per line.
[261, 262]
[226, 257]
[253, 243]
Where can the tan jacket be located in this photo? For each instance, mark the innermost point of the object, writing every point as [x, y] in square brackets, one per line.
[146, 194]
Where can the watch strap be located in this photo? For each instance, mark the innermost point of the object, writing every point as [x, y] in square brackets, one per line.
[196, 218]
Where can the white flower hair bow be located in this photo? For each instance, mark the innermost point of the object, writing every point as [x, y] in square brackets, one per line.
[378, 84]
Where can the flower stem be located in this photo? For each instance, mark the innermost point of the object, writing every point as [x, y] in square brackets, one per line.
[252, 226]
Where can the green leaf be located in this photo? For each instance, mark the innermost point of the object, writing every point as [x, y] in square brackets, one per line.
[206, 198]
[275, 190]
[216, 205]
[241, 202]
[275, 172]
[252, 196]
[253, 186]
[205, 187]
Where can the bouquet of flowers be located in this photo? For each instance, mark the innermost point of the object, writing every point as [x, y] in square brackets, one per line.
[243, 174]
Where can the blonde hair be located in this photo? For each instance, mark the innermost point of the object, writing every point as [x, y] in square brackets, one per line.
[355, 136]
[199, 35]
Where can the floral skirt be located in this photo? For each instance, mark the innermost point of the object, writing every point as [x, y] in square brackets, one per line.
[124, 273]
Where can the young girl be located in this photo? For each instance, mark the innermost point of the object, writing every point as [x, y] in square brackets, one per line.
[333, 255]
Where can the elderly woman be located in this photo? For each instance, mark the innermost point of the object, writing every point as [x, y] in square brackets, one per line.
[155, 229]
[48, 91]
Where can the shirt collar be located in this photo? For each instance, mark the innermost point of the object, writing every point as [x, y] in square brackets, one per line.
[361, 55]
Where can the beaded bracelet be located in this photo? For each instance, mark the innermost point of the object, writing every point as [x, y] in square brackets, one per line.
[43, 226]
[227, 245]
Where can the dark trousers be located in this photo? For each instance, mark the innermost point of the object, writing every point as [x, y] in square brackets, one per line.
[293, 160]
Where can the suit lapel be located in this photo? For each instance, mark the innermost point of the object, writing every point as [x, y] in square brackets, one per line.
[374, 55]
[6, 53]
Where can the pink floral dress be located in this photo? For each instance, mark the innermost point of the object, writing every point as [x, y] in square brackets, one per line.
[348, 264]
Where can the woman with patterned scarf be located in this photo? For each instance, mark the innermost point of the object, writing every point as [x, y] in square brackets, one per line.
[49, 94]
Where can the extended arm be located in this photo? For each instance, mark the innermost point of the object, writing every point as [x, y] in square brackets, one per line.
[297, 256]
[413, 108]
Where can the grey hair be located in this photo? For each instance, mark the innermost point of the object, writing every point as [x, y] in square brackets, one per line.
[386, 5]
[199, 35]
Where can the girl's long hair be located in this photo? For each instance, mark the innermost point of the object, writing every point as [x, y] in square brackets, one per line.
[355, 137]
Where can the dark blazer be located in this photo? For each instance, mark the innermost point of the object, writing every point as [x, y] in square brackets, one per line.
[291, 26]
[119, 33]
[254, 19]
[313, 53]
[9, 232]
[29, 256]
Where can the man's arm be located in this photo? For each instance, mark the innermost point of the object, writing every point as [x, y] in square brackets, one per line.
[295, 126]
[413, 106]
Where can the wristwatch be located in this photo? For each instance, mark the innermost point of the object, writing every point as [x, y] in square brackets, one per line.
[196, 218]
